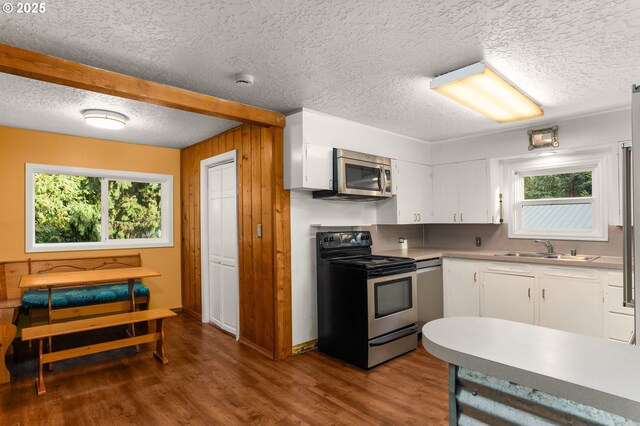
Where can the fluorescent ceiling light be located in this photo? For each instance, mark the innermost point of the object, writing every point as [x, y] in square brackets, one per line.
[477, 87]
[104, 119]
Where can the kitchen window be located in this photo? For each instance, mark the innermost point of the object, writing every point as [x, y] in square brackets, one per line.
[559, 198]
[71, 208]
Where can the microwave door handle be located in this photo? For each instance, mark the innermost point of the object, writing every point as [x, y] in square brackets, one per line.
[383, 180]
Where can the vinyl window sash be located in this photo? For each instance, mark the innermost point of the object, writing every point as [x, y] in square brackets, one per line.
[106, 243]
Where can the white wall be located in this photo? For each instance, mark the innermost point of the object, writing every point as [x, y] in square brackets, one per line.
[322, 129]
[581, 132]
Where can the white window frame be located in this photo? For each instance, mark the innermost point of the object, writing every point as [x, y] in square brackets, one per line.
[166, 209]
[567, 163]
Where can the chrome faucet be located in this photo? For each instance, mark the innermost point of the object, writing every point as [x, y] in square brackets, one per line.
[547, 244]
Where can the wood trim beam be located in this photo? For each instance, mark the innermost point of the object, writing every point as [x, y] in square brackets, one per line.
[25, 63]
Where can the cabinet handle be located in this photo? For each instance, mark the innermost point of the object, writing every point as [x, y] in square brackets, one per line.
[529, 292]
[543, 293]
[415, 217]
[419, 218]
[454, 217]
[461, 220]
[475, 277]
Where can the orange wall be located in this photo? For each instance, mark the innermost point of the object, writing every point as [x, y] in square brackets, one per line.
[18, 147]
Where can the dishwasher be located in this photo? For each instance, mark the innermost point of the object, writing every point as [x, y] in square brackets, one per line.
[430, 301]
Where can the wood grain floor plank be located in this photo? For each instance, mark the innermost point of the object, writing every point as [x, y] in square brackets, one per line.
[211, 379]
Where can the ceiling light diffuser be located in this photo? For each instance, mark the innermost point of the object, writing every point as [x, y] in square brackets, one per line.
[478, 87]
[104, 119]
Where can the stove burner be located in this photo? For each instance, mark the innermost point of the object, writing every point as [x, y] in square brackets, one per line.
[372, 262]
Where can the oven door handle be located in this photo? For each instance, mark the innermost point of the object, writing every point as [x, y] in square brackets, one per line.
[393, 336]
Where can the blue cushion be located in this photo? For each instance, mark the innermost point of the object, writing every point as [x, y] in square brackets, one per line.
[81, 296]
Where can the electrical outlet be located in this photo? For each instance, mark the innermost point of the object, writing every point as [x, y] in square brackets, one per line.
[401, 240]
[478, 241]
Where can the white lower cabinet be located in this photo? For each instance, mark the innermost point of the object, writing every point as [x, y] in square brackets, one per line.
[577, 299]
[461, 292]
[618, 319]
[572, 304]
[508, 297]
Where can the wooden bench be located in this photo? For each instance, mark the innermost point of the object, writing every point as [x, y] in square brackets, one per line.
[50, 330]
[11, 273]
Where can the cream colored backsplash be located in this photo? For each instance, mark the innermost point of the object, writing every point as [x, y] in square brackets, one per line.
[494, 238]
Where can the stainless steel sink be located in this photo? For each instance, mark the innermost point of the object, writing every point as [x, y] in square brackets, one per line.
[577, 258]
[522, 254]
[559, 256]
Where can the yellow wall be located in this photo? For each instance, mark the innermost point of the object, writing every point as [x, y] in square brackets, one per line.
[18, 147]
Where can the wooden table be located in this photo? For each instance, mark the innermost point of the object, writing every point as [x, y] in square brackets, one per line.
[52, 280]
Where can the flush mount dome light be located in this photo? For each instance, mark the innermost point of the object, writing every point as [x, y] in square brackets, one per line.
[478, 87]
[104, 119]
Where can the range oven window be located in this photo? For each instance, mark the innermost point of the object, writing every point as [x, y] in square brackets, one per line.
[362, 177]
[392, 296]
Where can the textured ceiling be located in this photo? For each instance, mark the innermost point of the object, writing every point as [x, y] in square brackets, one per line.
[368, 61]
[31, 104]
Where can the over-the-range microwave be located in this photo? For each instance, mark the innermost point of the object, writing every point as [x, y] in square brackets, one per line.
[358, 177]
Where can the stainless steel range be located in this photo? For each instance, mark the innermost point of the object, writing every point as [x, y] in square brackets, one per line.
[367, 310]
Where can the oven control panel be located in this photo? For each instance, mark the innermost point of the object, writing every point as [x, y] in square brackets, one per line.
[333, 240]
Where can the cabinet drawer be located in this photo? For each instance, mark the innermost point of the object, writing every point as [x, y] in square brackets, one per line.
[614, 301]
[619, 327]
[615, 279]
[583, 273]
[514, 268]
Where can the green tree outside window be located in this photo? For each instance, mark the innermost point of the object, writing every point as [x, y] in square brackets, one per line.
[68, 209]
[565, 185]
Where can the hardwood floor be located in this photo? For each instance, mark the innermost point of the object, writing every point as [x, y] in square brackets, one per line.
[212, 379]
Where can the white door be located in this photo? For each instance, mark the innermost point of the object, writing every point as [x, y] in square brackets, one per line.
[223, 246]
[508, 297]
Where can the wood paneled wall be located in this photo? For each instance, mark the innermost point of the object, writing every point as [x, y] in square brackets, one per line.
[264, 263]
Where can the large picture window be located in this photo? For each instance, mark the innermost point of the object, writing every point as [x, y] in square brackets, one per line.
[561, 198]
[70, 208]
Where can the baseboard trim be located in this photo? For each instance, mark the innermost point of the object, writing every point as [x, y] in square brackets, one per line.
[304, 347]
[257, 348]
[191, 313]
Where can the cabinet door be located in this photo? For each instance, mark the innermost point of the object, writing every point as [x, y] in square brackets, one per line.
[461, 289]
[508, 297]
[416, 191]
[318, 167]
[445, 193]
[412, 188]
[425, 189]
[473, 191]
[572, 304]
[404, 191]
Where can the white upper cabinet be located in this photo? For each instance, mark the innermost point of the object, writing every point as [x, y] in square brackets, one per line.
[307, 166]
[412, 189]
[461, 192]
